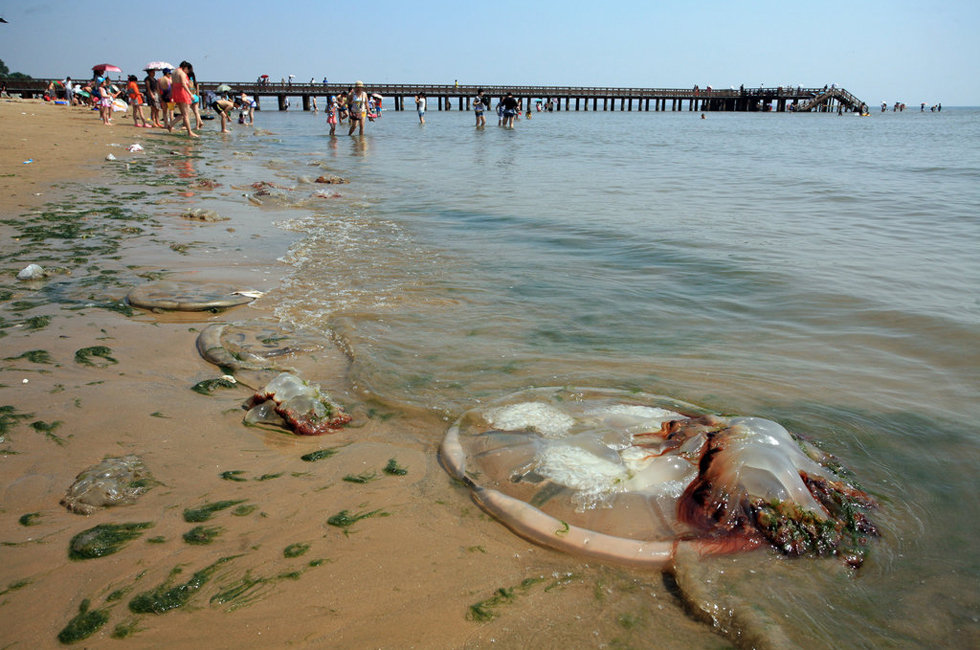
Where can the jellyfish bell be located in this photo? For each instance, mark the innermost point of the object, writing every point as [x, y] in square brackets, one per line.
[626, 477]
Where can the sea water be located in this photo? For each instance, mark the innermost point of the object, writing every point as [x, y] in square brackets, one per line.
[815, 269]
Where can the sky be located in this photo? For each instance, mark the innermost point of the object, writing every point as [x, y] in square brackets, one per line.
[894, 50]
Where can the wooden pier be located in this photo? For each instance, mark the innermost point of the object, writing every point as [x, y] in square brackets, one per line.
[563, 98]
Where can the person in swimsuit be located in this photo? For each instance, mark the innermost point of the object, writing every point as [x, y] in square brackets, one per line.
[180, 93]
[357, 108]
[195, 95]
[136, 101]
[166, 100]
[153, 96]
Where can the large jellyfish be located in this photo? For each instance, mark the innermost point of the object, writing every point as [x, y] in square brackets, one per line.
[626, 477]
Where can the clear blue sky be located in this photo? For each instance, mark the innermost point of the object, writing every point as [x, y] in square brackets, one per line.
[891, 50]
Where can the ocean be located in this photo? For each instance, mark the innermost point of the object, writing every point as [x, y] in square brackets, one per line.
[814, 269]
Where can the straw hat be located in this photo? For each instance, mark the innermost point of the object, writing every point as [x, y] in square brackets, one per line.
[358, 84]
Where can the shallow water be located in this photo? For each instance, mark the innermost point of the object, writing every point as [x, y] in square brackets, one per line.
[812, 269]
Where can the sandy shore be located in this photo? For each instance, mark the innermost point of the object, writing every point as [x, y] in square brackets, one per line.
[405, 577]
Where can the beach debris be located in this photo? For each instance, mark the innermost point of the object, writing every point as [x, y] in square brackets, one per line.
[290, 402]
[200, 214]
[323, 194]
[208, 386]
[252, 199]
[117, 480]
[255, 344]
[31, 272]
[110, 157]
[331, 180]
[629, 477]
[184, 296]
[104, 539]
[249, 293]
[28, 161]
[133, 148]
[206, 183]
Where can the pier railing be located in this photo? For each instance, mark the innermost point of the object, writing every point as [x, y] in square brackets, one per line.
[595, 98]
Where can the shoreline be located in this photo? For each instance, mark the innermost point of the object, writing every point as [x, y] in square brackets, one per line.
[405, 579]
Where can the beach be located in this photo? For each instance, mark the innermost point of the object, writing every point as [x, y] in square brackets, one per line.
[444, 268]
[406, 579]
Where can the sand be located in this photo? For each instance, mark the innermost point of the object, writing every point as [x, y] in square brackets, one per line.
[405, 577]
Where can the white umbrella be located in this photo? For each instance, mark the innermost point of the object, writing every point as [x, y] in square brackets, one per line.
[159, 65]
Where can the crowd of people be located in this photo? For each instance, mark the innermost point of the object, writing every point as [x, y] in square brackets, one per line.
[173, 99]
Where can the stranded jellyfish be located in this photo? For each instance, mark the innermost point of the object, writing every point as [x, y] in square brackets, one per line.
[626, 477]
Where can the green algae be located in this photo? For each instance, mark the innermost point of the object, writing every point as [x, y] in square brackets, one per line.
[126, 630]
[48, 430]
[9, 416]
[295, 550]
[205, 512]
[30, 519]
[35, 323]
[394, 469]
[34, 356]
[344, 519]
[202, 535]
[208, 386]
[267, 477]
[319, 454]
[85, 356]
[86, 623]
[104, 539]
[233, 475]
[486, 610]
[242, 592]
[363, 477]
[164, 597]
[15, 586]
[159, 539]
[244, 511]
[320, 561]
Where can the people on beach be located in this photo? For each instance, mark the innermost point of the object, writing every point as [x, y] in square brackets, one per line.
[165, 85]
[357, 108]
[181, 95]
[480, 104]
[509, 110]
[333, 108]
[153, 96]
[106, 98]
[342, 106]
[135, 98]
[223, 107]
[195, 95]
[420, 107]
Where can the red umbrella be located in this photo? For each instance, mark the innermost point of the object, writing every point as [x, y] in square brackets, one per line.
[265, 76]
[106, 67]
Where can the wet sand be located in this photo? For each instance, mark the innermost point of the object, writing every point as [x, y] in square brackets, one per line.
[405, 577]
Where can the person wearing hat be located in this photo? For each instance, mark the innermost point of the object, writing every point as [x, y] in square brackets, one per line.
[357, 108]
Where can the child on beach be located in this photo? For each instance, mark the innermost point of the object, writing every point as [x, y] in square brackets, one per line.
[332, 109]
[106, 97]
[136, 101]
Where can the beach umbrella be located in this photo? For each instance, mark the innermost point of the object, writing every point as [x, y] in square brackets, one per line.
[265, 76]
[159, 65]
[106, 67]
[223, 88]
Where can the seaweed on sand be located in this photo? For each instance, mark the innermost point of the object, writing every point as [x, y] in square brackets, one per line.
[86, 623]
[202, 535]
[344, 519]
[104, 539]
[203, 513]
[84, 356]
[394, 469]
[165, 597]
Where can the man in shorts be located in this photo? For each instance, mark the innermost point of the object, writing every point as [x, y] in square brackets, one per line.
[153, 96]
